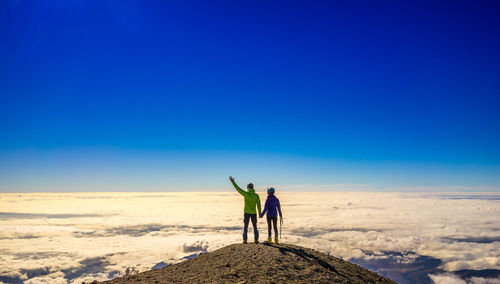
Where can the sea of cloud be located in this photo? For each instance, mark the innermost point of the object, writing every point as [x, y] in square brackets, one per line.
[409, 237]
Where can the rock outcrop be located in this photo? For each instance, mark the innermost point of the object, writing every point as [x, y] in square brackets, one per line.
[259, 263]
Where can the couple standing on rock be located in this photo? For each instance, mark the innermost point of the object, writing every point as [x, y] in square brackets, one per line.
[271, 207]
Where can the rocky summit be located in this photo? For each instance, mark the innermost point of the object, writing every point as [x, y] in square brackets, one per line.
[259, 263]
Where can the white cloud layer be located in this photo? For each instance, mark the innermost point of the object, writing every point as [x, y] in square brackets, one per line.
[448, 278]
[75, 237]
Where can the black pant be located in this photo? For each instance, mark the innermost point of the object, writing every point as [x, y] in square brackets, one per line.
[275, 225]
[246, 218]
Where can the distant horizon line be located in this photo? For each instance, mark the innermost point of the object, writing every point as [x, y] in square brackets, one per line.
[294, 188]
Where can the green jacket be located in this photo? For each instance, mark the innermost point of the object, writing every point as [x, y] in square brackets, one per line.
[251, 199]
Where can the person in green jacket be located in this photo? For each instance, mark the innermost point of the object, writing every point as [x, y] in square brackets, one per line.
[251, 200]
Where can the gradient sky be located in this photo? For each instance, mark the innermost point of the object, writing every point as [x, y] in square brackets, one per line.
[177, 95]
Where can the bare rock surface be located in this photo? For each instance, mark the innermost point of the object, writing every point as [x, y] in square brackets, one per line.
[259, 263]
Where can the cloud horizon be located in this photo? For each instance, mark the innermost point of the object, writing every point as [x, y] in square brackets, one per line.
[86, 236]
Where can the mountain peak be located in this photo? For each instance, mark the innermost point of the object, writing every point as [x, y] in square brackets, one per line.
[259, 263]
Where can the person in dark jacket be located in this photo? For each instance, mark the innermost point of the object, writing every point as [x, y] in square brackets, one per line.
[272, 208]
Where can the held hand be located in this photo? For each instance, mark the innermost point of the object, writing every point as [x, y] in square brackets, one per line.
[261, 215]
[231, 179]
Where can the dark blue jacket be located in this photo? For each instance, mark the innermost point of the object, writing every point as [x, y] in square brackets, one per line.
[272, 203]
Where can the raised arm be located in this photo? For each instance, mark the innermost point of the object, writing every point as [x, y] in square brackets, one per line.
[241, 191]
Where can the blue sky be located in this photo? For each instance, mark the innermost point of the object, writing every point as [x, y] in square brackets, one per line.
[177, 95]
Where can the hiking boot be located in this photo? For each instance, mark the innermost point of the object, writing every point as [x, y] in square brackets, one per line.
[276, 240]
[270, 240]
[244, 241]
[256, 241]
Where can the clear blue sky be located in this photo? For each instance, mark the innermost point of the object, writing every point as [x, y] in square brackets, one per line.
[177, 95]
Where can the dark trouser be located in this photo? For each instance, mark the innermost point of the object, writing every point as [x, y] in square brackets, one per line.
[246, 218]
[275, 225]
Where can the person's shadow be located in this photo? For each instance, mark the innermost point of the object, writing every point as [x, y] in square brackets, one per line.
[307, 257]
